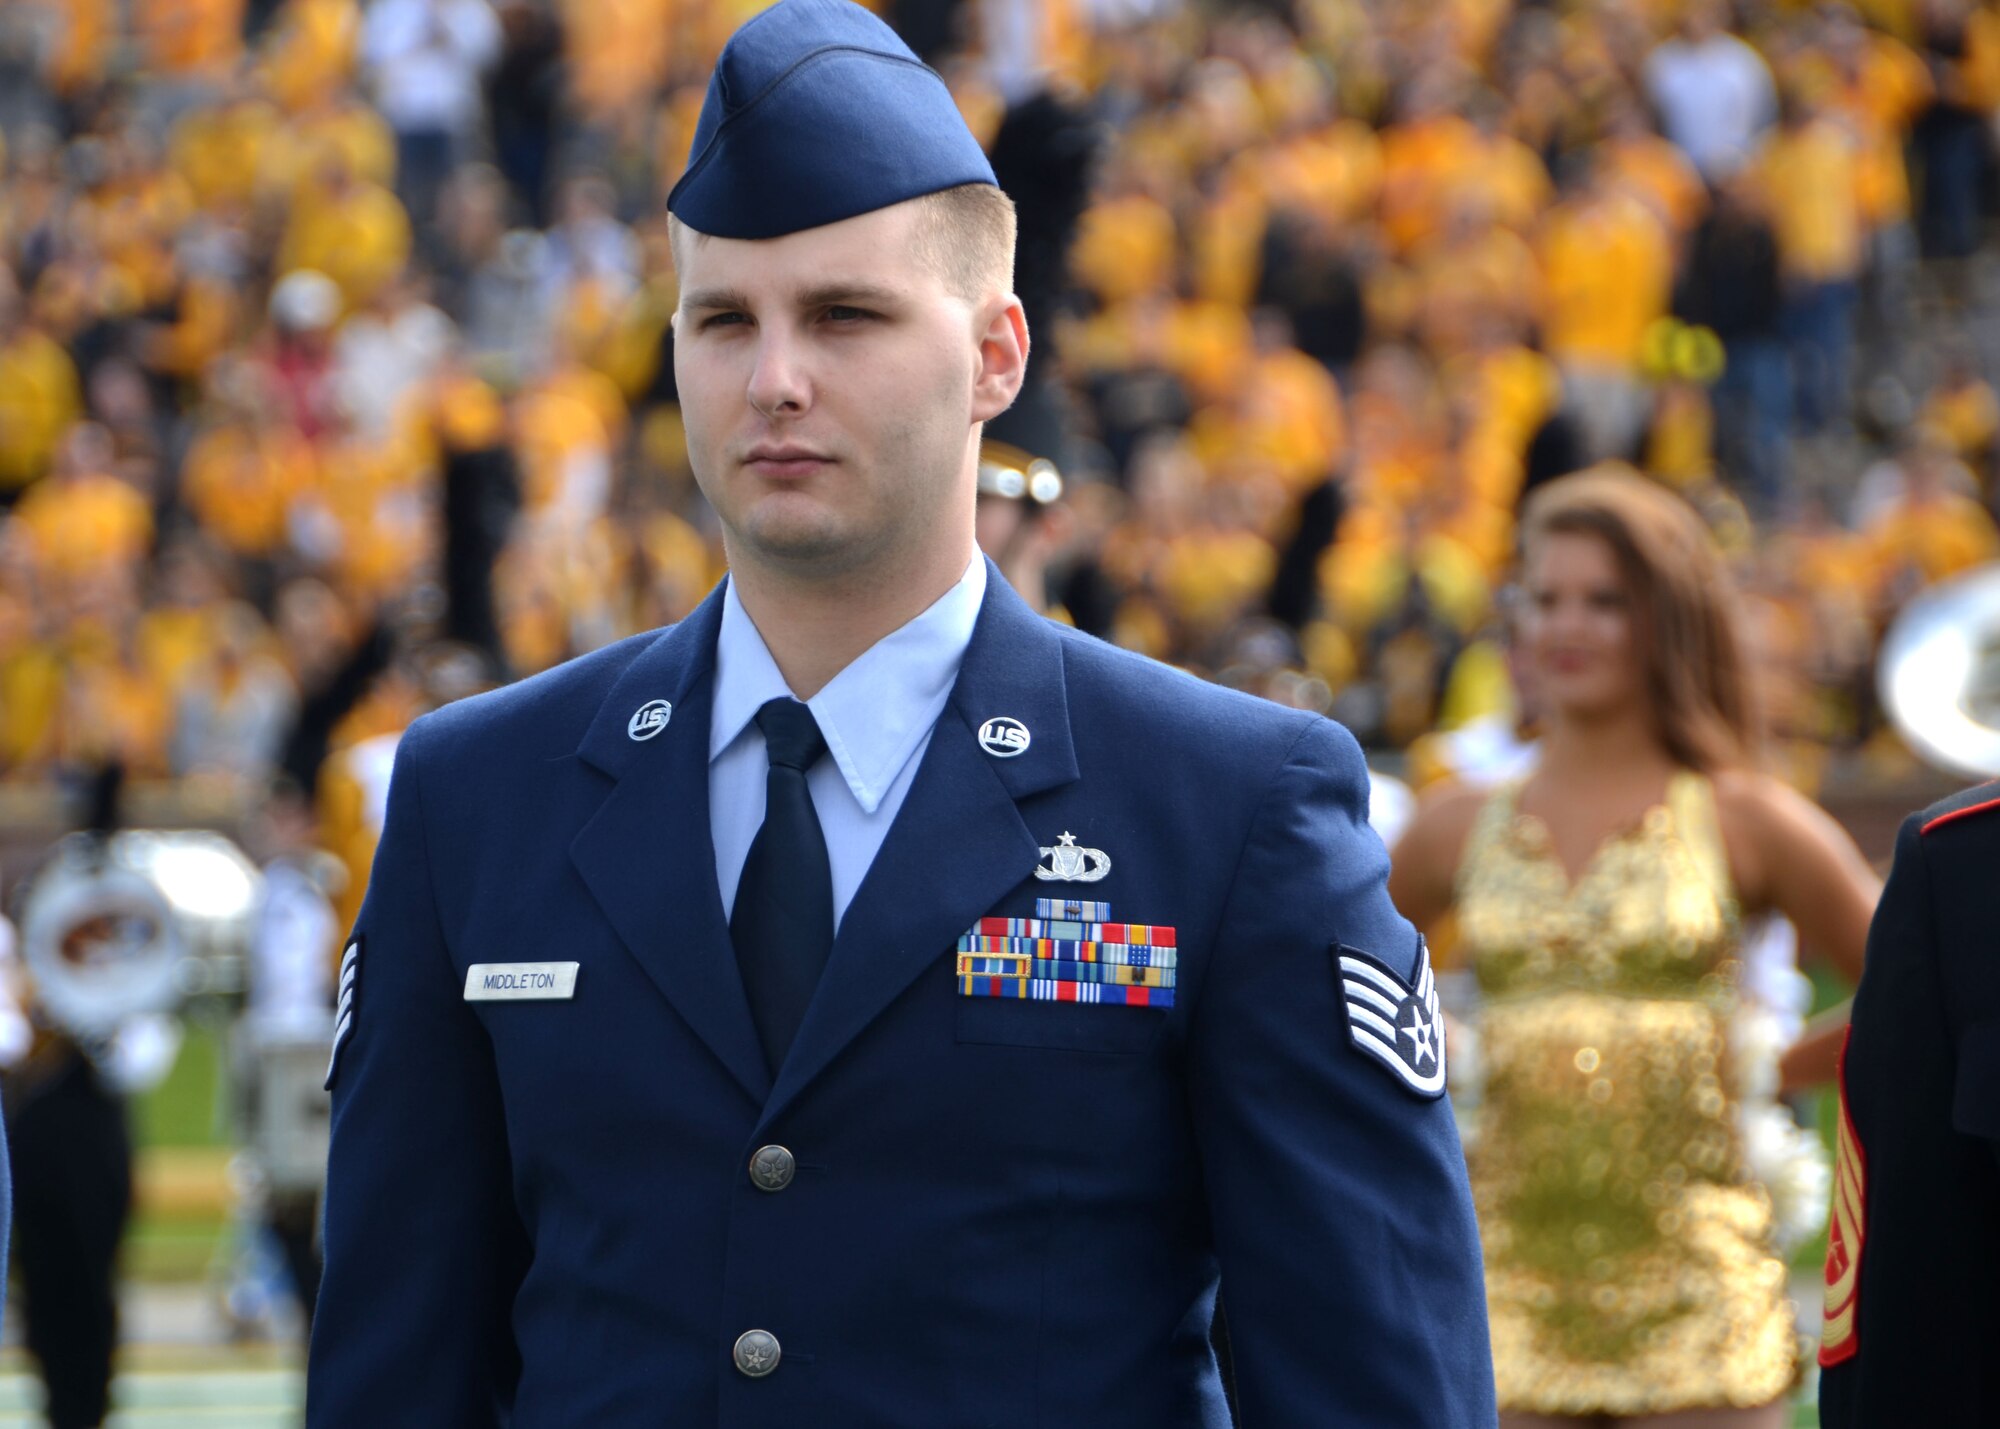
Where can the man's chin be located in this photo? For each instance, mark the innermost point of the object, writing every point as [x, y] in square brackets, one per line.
[800, 543]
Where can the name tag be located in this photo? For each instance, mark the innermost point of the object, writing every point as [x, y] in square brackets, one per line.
[502, 982]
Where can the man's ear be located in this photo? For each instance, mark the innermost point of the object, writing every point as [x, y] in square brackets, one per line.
[1003, 358]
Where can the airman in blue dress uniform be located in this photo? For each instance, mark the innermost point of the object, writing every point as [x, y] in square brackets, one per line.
[867, 1003]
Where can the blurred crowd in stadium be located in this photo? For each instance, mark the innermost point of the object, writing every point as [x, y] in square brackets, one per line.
[336, 376]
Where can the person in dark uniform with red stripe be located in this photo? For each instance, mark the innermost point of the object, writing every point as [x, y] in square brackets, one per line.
[1913, 1257]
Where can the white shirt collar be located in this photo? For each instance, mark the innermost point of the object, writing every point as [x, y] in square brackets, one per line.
[877, 711]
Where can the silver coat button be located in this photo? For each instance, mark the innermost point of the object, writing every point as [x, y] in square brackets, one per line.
[771, 1168]
[757, 1353]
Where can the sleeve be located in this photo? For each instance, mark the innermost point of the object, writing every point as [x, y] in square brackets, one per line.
[1337, 1187]
[6, 1205]
[1904, 1227]
[424, 1250]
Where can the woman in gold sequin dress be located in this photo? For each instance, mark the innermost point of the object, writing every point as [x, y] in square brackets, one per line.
[1632, 1274]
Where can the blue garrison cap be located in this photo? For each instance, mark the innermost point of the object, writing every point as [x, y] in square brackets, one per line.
[817, 112]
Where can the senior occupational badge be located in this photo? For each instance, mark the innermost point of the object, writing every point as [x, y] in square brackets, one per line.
[1069, 862]
[1392, 1022]
[1054, 957]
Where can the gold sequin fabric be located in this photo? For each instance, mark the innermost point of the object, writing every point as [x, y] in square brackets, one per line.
[1629, 1266]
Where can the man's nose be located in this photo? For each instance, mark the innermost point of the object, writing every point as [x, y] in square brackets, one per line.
[779, 386]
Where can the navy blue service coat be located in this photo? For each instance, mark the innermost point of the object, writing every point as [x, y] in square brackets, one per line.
[1005, 1213]
[1914, 1249]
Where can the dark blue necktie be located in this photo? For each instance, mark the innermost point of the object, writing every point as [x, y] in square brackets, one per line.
[782, 924]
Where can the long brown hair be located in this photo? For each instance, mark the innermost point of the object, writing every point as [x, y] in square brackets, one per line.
[1685, 616]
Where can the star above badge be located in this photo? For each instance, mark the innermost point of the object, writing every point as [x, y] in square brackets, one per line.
[1068, 862]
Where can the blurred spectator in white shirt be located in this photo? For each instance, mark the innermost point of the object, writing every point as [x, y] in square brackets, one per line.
[588, 242]
[383, 355]
[427, 60]
[1714, 93]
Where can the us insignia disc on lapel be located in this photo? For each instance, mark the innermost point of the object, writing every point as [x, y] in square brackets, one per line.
[1395, 1024]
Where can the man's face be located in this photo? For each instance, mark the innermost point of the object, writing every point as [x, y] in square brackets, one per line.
[830, 383]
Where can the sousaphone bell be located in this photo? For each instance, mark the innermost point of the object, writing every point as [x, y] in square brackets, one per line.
[1938, 673]
[121, 927]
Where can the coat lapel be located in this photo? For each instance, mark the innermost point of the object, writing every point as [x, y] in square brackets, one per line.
[646, 855]
[958, 845]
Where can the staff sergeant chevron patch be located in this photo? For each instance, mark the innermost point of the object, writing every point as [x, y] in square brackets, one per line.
[343, 1012]
[1395, 1024]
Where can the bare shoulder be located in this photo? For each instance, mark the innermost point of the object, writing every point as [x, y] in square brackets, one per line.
[1776, 837]
[1749, 798]
[1764, 807]
[1423, 867]
[1443, 820]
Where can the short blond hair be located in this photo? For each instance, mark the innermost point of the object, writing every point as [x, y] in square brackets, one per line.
[965, 234]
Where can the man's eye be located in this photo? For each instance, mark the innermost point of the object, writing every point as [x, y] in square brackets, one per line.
[714, 320]
[847, 315]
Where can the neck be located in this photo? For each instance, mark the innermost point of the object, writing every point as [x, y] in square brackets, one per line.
[1605, 748]
[816, 625]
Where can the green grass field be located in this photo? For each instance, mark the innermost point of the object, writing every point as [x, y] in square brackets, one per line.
[185, 1113]
[186, 1109]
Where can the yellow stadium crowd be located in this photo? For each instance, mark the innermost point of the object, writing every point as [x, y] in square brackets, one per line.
[269, 336]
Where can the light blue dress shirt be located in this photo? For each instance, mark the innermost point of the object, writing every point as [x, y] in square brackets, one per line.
[876, 715]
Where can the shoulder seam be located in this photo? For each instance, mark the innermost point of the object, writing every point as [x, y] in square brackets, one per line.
[1967, 812]
[1264, 797]
[424, 847]
[1250, 825]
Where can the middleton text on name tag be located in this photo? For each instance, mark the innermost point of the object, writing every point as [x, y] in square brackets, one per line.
[500, 982]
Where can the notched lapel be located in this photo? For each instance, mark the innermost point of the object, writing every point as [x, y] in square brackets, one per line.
[646, 855]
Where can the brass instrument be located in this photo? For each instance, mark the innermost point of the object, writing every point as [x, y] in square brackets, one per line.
[1938, 673]
[99, 943]
[1013, 475]
[120, 927]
